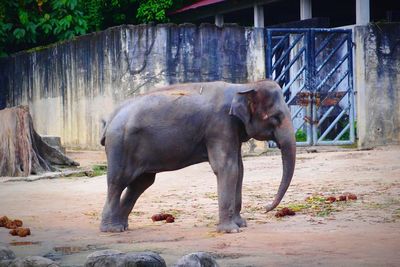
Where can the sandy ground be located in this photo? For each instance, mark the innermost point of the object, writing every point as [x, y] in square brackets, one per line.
[64, 214]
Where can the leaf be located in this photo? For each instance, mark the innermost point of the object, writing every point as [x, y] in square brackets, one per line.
[57, 30]
[19, 33]
[72, 4]
[31, 27]
[6, 26]
[79, 30]
[46, 28]
[23, 17]
[68, 35]
[68, 19]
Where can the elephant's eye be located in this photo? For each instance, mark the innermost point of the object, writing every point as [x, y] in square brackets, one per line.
[276, 119]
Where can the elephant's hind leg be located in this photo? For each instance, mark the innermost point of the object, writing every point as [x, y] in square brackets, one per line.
[119, 176]
[133, 192]
[112, 218]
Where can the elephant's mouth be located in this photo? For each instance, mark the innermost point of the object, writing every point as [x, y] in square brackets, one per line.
[273, 138]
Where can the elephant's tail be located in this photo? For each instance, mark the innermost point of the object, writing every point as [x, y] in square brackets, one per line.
[103, 136]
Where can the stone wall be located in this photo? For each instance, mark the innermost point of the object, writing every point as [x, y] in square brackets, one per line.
[377, 73]
[71, 86]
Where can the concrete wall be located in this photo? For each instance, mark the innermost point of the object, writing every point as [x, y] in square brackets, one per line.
[377, 74]
[71, 86]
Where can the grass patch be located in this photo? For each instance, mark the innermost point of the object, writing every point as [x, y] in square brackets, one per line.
[92, 214]
[352, 146]
[138, 213]
[297, 207]
[301, 136]
[396, 214]
[211, 195]
[316, 205]
[97, 170]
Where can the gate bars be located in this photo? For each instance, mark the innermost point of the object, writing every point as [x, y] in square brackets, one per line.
[314, 67]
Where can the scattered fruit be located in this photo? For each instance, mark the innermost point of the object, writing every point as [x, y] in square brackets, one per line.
[3, 221]
[351, 197]
[170, 219]
[13, 232]
[163, 216]
[330, 199]
[15, 226]
[21, 232]
[284, 212]
[342, 198]
[11, 225]
[18, 223]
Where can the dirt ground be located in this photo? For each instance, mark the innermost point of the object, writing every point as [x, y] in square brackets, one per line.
[64, 214]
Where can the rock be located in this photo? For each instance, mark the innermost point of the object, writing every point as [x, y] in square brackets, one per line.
[197, 259]
[101, 253]
[143, 259]
[31, 261]
[6, 254]
[117, 258]
[107, 257]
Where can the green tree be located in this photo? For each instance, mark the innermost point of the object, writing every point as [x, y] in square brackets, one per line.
[156, 10]
[28, 23]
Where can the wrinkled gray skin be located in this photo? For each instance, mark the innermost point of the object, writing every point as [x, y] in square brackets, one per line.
[186, 124]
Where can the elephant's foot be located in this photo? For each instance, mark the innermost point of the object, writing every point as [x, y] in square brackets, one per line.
[240, 221]
[229, 227]
[113, 228]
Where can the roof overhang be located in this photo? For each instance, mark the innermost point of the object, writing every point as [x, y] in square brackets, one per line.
[207, 8]
[198, 4]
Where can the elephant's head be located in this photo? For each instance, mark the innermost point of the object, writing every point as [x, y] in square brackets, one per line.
[266, 116]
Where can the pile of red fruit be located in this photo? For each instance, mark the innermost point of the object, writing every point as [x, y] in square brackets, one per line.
[15, 226]
[346, 197]
[163, 216]
[284, 212]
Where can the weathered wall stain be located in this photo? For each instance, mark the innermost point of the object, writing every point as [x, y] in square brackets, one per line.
[378, 84]
[71, 86]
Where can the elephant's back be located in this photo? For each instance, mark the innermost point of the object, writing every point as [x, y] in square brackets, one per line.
[173, 106]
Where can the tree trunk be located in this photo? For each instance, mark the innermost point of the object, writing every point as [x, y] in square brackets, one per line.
[22, 150]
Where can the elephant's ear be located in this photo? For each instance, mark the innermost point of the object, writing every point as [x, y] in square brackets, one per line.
[242, 105]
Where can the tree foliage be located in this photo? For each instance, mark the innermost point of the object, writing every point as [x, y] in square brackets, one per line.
[153, 10]
[28, 23]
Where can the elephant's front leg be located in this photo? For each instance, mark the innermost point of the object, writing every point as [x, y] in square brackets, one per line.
[224, 162]
[238, 201]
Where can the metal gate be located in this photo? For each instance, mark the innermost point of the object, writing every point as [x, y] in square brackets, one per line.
[314, 67]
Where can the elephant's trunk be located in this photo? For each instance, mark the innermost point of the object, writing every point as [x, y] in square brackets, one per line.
[287, 142]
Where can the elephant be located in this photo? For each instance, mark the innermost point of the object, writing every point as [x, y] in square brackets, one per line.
[185, 124]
